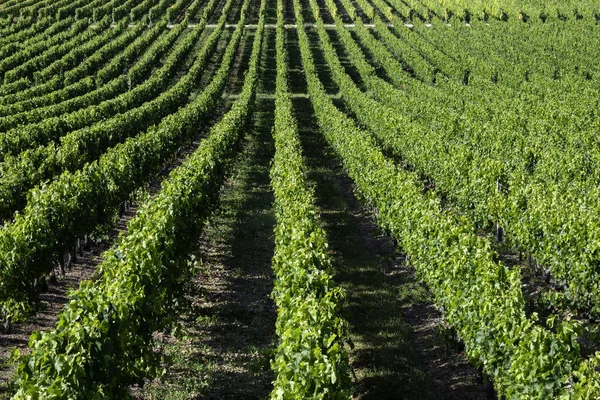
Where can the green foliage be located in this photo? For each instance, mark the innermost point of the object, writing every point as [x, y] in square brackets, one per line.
[77, 202]
[310, 361]
[490, 148]
[505, 128]
[481, 297]
[49, 49]
[103, 339]
[78, 64]
[517, 10]
[22, 172]
[123, 51]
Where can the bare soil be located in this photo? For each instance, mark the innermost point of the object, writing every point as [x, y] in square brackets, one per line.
[222, 346]
[226, 338]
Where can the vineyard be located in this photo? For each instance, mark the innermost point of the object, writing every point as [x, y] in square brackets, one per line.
[299, 199]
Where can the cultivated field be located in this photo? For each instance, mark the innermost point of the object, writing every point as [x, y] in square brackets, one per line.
[299, 199]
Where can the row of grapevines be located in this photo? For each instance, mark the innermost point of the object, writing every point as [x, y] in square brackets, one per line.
[420, 67]
[21, 32]
[89, 42]
[54, 223]
[48, 8]
[73, 59]
[542, 83]
[481, 297]
[382, 6]
[50, 123]
[21, 173]
[549, 174]
[68, 10]
[404, 11]
[310, 361]
[500, 31]
[515, 9]
[537, 55]
[175, 10]
[390, 128]
[9, 3]
[446, 64]
[417, 8]
[50, 38]
[28, 7]
[137, 73]
[24, 29]
[366, 8]
[541, 97]
[103, 339]
[107, 72]
[104, 91]
[60, 56]
[73, 78]
[43, 29]
[74, 28]
[99, 12]
[11, 8]
[381, 57]
[74, 82]
[122, 9]
[15, 45]
[10, 25]
[150, 8]
[456, 170]
[90, 10]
